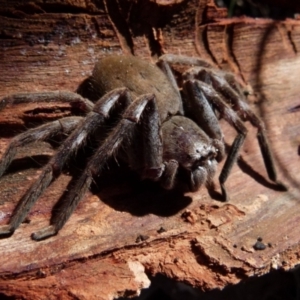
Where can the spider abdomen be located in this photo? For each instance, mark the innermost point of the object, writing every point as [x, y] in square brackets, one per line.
[139, 77]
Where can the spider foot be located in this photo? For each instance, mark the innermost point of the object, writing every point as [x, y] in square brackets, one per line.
[44, 233]
[281, 186]
[6, 231]
[225, 197]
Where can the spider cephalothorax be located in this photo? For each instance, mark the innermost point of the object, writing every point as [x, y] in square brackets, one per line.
[164, 131]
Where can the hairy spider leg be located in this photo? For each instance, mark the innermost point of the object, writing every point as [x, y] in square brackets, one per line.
[41, 133]
[165, 67]
[209, 94]
[76, 140]
[54, 96]
[141, 107]
[167, 180]
[234, 96]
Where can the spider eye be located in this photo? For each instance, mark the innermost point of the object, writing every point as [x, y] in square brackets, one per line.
[204, 160]
[212, 155]
[199, 162]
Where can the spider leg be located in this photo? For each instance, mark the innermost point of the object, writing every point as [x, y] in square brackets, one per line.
[165, 67]
[203, 114]
[234, 95]
[153, 166]
[223, 83]
[265, 149]
[40, 133]
[209, 94]
[76, 140]
[168, 178]
[236, 85]
[122, 131]
[62, 96]
[201, 111]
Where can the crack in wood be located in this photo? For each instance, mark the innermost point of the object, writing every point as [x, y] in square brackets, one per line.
[231, 58]
[120, 26]
[154, 39]
[290, 37]
[201, 38]
[286, 37]
[213, 264]
[202, 45]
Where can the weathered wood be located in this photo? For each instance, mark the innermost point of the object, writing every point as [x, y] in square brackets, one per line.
[206, 243]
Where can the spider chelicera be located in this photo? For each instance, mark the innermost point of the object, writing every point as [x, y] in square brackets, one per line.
[163, 132]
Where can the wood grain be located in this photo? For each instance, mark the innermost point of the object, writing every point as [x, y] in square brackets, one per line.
[206, 243]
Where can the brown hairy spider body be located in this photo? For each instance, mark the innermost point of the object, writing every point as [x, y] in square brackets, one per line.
[161, 132]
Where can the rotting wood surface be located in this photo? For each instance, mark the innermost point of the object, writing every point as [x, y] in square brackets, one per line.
[205, 243]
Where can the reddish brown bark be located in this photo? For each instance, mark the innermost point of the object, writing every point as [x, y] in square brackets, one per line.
[207, 244]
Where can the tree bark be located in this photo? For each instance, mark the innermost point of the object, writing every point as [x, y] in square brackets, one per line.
[114, 240]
